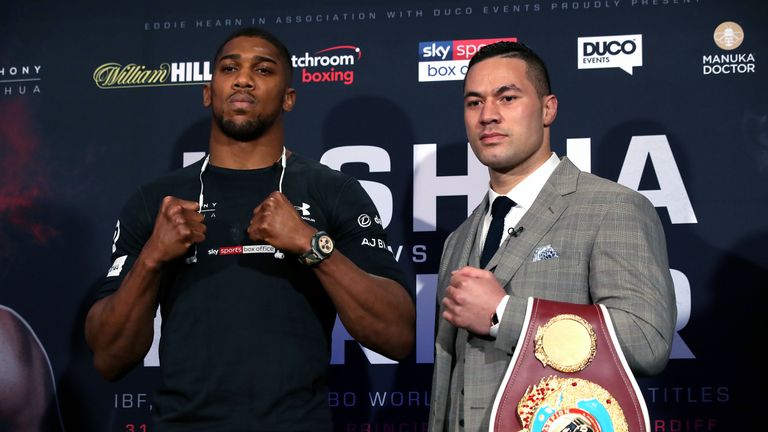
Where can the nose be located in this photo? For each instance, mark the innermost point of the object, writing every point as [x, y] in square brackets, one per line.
[243, 80]
[489, 113]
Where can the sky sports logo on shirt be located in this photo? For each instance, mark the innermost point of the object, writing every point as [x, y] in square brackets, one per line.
[448, 60]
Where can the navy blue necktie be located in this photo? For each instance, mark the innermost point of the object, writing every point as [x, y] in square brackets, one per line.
[499, 210]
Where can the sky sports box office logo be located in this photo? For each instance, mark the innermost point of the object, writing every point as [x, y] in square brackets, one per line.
[448, 60]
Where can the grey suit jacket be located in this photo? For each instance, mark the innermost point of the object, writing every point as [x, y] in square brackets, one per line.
[610, 249]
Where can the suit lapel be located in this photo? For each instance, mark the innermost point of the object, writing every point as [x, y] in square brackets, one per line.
[537, 221]
[466, 236]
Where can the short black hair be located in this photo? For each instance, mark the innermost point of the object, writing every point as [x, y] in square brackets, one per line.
[536, 69]
[258, 32]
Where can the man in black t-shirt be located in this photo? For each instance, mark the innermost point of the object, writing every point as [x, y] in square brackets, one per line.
[250, 254]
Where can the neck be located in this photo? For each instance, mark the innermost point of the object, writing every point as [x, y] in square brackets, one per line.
[503, 181]
[259, 153]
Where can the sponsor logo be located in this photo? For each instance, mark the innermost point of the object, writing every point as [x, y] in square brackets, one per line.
[329, 65]
[603, 52]
[364, 220]
[728, 36]
[209, 210]
[117, 266]
[20, 79]
[247, 249]
[230, 250]
[117, 75]
[115, 236]
[258, 249]
[374, 242]
[448, 60]
[304, 209]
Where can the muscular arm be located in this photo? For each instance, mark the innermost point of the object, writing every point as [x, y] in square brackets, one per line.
[119, 327]
[376, 311]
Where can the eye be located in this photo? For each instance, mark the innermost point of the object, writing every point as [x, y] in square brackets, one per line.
[263, 70]
[228, 68]
[508, 98]
[472, 103]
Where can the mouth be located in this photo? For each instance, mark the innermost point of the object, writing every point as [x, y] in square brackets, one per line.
[491, 137]
[241, 100]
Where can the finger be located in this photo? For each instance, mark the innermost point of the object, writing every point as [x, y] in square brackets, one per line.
[169, 201]
[472, 272]
[193, 215]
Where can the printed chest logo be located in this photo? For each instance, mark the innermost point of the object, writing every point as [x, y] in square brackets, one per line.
[246, 250]
[304, 212]
[209, 211]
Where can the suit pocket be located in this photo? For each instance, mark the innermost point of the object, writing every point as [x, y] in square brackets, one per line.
[564, 278]
[566, 261]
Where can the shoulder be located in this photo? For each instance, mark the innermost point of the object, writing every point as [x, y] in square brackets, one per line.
[313, 179]
[183, 183]
[605, 190]
[312, 171]
[180, 178]
[587, 189]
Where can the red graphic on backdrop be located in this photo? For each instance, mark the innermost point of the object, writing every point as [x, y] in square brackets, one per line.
[21, 184]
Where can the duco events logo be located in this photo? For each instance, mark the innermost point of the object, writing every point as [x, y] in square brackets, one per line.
[117, 75]
[330, 65]
[448, 60]
[20, 79]
[603, 52]
[728, 36]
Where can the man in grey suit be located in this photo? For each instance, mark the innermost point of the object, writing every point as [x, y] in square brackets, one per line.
[569, 236]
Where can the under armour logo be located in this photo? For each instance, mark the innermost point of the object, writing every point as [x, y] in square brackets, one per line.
[304, 209]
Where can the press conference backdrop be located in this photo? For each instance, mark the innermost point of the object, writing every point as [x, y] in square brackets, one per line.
[667, 97]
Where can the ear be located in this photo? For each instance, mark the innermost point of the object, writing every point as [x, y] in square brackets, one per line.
[549, 109]
[207, 95]
[289, 99]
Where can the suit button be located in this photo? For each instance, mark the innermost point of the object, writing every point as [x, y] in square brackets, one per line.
[461, 422]
[462, 391]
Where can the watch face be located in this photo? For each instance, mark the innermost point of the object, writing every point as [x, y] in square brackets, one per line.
[325, 244]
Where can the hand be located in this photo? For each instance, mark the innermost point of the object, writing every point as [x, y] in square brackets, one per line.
[276, 222]
[471, 299]
[178, 225]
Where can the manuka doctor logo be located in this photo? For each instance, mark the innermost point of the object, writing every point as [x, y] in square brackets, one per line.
[330, 65]
[20, 79]
[603, 52]
[728, 36]
[118, 75]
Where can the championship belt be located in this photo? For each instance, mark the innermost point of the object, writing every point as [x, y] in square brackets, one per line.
[568, 374]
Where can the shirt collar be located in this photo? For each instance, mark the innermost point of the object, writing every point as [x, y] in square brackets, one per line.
[525, 193]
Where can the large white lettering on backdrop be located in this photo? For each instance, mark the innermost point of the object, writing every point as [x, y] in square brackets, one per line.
[427, 186]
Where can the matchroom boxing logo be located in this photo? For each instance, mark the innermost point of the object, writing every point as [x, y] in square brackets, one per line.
[602, 52]
[330, 65]
[448, 60]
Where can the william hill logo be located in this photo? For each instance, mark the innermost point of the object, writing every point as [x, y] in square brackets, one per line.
[117, 75]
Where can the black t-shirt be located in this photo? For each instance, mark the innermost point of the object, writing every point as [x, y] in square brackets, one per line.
[247, 329]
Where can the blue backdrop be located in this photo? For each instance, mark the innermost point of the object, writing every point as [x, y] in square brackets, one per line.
[665, 96]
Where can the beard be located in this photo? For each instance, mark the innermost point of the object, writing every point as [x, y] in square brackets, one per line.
[244, 131]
